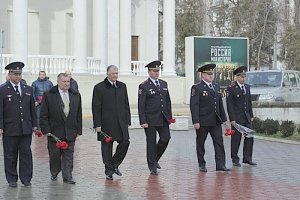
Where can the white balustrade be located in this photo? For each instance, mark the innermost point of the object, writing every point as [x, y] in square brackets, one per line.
[93, 65]
[51, 64]
[6, 59]
[54, 64]
[138, 68]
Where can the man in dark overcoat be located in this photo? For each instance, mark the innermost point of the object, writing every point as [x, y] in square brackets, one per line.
[207, 115]
[154, 107]
[239, 107]
[111, 115]
[61, 115]
[17, 122]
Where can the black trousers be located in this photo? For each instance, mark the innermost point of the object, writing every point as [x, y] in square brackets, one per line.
[156, 150]
[113, 161]
[216, 134]
[38, 115]
[14, 147]
[235, 145]
[61, 160]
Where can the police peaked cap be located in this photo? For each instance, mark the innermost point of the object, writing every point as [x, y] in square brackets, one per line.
[154, 65]
[207, 68]
[15, 66]
[240, 70]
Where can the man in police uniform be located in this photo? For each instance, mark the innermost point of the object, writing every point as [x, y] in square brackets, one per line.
[154, 106]
[207, 115]
[17, 122]
[239, 109]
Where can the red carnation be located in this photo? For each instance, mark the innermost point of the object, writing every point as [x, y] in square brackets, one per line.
[172, 120]
[58, 145]
[106, 137]
[64, 145]
[39, 133]
[229, 131]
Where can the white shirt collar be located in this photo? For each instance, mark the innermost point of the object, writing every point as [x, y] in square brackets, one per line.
[112, 83]
[13, 84]
[153, 80]
[240, 84]
[207, 83]
[61, 92]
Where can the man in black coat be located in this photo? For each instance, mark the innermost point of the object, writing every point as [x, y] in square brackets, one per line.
[73, 82]
[207, 115]
[154, 107]
[17, 122]
[111, 114]
[61, 115]
[239, 107]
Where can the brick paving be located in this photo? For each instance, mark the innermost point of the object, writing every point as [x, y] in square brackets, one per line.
[277, 175]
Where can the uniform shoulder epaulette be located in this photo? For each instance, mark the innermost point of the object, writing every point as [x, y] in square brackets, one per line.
[144, 82]
[232, 84]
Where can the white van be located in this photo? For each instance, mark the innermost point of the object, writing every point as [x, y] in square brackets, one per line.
[274, 85]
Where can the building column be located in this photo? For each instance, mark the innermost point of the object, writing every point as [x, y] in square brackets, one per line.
[80, 36]
[100, 32]
[20, 31]
[169, 38]
[125, 37]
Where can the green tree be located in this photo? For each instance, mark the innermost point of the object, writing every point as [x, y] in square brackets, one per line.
[255, 19]
[290, 53]
[189, 22]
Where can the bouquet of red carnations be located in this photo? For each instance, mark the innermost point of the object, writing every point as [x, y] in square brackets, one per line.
[59, 143]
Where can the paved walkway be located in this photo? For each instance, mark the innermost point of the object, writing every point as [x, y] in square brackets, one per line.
[277, 175]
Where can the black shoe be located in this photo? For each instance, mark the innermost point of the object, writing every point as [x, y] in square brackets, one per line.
[71, 181]
[158, 166]
[202, 169]
[250, 163]
[224, 169]
[27, 184]
[13, 184]
[117, 171]
[236, 164]
[154, 172]
[109, 177]
[54, 178]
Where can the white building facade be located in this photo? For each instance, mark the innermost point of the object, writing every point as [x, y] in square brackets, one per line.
[85, 36]
[81, 34]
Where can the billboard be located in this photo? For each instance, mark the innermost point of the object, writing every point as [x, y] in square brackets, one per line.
[227, 53]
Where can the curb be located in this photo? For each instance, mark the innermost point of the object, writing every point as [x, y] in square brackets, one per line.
[277, 140]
